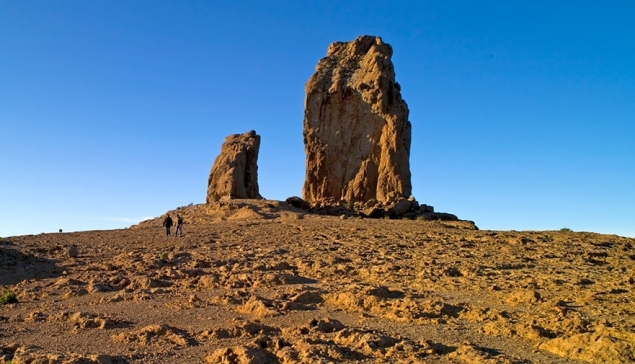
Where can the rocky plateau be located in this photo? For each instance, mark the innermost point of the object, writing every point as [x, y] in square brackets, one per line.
[259, 281]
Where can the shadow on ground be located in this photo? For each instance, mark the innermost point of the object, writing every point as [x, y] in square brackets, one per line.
[17, 266]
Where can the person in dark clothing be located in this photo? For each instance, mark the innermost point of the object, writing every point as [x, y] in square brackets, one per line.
[168, 224]
[179, 226]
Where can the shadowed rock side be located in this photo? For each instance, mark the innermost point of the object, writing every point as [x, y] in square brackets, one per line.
[235, 170]
[356, 128]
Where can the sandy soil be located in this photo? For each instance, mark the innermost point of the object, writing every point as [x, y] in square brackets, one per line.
[260, 282]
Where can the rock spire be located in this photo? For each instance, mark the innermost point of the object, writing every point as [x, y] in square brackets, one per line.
[235, 170]
[356, 128]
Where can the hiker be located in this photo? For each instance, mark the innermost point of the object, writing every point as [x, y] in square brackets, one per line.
[179, 226]
[168, 224]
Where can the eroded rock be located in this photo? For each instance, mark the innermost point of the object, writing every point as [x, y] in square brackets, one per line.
[234, 174]
[356, 128]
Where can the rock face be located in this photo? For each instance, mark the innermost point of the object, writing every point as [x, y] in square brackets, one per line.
[356, 128]
[235, 170]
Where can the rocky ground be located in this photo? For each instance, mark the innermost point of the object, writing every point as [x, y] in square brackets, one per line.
[260, 282]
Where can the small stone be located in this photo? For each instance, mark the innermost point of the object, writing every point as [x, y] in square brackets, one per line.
[73, 251]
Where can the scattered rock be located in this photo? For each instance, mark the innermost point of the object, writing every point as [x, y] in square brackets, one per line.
[156, 335]
[524, 296]
[394, 291]
[401, 207]
[241, 355]
[73, 252]
[473, 354]
[307, 297]
[297, 202]
[605, 346]
[374, 212]
[258, 307]
[440, 216]
[326, 325]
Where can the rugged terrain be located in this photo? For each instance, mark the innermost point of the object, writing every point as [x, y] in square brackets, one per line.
[262, 282]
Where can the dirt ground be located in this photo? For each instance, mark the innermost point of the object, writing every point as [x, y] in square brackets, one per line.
[261, 282]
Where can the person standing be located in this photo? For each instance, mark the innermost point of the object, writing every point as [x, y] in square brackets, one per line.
[179, 226]
[168, 224]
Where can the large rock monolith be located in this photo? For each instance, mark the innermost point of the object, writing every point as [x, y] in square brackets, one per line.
[356, 128]
[234, 174]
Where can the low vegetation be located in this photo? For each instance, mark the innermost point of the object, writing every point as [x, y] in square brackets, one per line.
[8, 297]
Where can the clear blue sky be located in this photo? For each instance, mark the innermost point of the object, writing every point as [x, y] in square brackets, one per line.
[523, 113]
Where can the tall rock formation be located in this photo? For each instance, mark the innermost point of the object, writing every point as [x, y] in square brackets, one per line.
[235, 170]
[356, 128]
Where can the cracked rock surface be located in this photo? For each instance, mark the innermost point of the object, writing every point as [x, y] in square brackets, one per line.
[356, 128]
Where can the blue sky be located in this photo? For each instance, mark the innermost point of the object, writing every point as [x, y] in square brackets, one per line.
[523, 113]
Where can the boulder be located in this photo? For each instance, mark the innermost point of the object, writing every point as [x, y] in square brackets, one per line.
[297, 202]
[374, 212]
[356, 129]
[234, 174]
[442, 216]
[329, 209]
[414, 203]
[401, 207]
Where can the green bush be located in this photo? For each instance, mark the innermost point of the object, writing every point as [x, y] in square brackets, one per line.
[565, 230]
[8, 297]
[163, 257]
